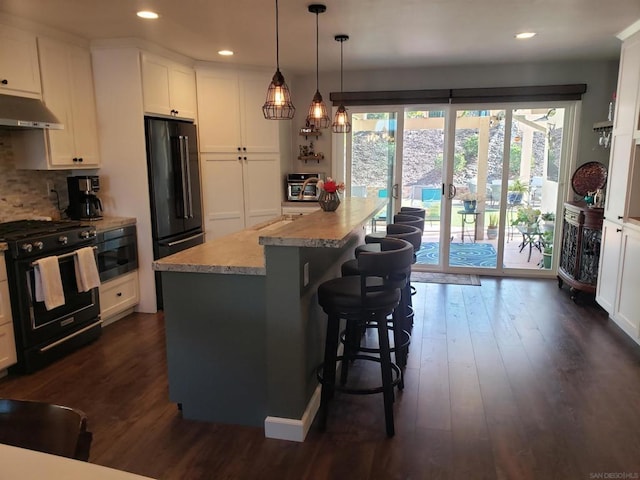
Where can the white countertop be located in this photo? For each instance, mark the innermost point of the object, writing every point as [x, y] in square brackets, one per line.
[22, 464]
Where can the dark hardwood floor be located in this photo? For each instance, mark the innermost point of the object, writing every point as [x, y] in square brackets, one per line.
[508, 380]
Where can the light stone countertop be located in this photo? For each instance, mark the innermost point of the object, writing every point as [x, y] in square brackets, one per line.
[243, 252]
[109, 223]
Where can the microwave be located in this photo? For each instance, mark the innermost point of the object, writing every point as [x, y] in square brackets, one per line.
[295, 184]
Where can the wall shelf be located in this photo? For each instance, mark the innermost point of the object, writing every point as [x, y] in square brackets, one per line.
[602, 126]
[309, 133]
[317, 157]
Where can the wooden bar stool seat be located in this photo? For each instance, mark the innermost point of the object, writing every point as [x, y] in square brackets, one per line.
[45, 427]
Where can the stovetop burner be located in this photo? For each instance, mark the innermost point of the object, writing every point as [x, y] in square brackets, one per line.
[27, 228]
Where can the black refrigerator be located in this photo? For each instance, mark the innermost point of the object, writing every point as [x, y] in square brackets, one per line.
[174, 188]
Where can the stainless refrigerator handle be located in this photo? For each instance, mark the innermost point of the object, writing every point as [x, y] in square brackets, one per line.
[185, 214]
[178, 242]
[186, 162]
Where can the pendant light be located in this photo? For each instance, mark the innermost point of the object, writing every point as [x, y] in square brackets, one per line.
[278, 105]
[341, 122]
[317, 117]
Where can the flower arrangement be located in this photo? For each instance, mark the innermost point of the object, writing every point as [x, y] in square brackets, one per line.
[330, 185]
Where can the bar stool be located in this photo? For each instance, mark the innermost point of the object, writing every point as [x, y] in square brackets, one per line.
[401, 331]
[416, 211]
[364, 301]
[404, 218]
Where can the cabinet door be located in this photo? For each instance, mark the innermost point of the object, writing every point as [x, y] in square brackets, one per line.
[218, 111]
[56, 92]
[618, 177]
[5, 304]
[83, 106]
[223, 194]
[155, 85]
[262, 188]
[608, 269]
[627, 90]
[7, 346]
[258, 134]
[627, 313]
[182, 85]
[19, 69]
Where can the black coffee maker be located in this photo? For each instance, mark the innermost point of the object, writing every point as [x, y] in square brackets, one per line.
[83, 201]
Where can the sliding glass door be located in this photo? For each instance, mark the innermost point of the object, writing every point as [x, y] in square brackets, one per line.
[489, 179]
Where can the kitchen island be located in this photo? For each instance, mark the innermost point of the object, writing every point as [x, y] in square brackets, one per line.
[244, 329]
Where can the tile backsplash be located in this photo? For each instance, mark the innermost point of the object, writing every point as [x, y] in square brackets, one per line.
[23, 193]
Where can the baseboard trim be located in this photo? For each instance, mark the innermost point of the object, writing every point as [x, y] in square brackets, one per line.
[290, 428]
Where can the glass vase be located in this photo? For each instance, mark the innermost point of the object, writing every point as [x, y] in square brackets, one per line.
[329, 201]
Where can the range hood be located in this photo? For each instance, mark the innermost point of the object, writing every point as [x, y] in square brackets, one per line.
[21, 112]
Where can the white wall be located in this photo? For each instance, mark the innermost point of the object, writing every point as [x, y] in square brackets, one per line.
[123, 172]
[600, 77]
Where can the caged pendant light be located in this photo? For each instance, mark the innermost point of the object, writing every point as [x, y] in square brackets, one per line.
[278, 105]
[317, 117]
[341, 122]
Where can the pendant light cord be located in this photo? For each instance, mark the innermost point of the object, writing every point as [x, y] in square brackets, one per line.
[317, 56]
[277, 40]
[341, 42]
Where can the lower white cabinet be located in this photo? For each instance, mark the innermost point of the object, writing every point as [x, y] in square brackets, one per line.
[607, 286]
[118, 296]
[7, 339]
[240, 191]
[619, 276]
[627, 312]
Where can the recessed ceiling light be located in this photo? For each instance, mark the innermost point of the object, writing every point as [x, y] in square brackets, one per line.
[147, 14]
[225, 53]
[525, 35]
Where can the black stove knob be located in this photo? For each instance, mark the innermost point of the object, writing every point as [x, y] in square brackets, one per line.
[38, 245]
[87, 234]
[26, 247]
[63, 239]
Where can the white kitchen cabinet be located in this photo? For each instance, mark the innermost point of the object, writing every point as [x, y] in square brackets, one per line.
[239, 191]
[7, 340]
[607, 287]
[118, 296]
[67, 89]
[627, 309]
[169, 88]
[230, 115]
[19, 68]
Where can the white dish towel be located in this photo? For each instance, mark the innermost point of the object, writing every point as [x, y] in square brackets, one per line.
[48, 282]
[87, 276]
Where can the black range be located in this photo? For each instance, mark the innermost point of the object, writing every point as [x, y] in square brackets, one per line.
[42, 335]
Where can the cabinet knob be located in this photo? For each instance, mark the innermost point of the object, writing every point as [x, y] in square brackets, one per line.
[75, 159]
[119, 294]
[80, 159]
[620, 217]
[618, 229]
[244, 149]
[4, 81]
[239, 149]
[239, 158]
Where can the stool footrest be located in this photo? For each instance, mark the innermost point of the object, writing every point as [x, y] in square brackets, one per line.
[397, 376]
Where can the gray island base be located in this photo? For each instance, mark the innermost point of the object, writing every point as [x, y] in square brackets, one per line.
[244, 331]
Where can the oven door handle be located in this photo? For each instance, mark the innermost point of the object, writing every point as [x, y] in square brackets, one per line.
[63, 256]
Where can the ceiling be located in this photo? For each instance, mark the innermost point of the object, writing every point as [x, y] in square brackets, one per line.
[383, 33]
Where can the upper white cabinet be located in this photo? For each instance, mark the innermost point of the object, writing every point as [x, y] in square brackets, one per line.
[230, 112]
[169, 88]
[67, 90]
[19, 70]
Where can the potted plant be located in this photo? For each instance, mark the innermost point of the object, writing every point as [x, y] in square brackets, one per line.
[492, 227]
[469, 201]
[547, 249]
[516, 191]
[527, 216]
[547, 220]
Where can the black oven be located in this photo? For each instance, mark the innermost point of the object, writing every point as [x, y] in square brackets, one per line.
[302, 187]
[117, 252]
[42, 335]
